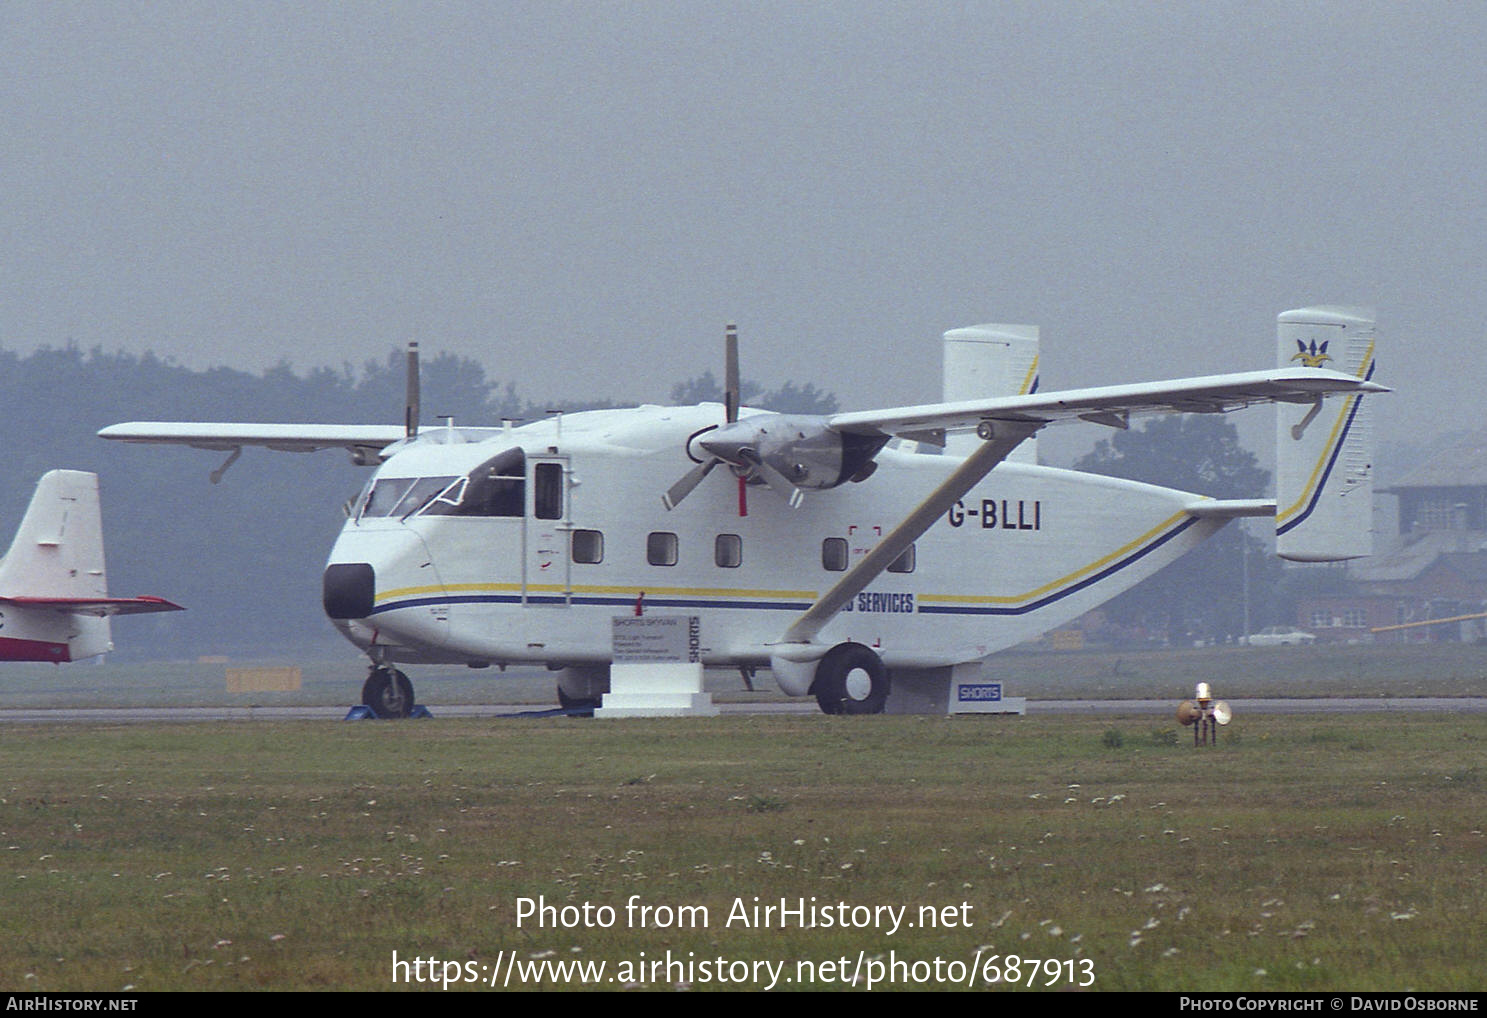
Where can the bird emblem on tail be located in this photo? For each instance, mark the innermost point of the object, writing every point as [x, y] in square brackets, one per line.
[1313, 357]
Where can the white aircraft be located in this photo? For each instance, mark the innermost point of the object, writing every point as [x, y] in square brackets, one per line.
[838, 550]
[54, 603]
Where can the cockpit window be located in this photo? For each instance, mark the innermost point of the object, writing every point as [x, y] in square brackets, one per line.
[386, 494]
[404, 496]
[497, 487]
[421, 494]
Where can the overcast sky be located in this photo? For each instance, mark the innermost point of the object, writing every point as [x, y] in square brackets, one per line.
[581, 194]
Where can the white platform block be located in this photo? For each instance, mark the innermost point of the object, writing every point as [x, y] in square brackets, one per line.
[656, 690]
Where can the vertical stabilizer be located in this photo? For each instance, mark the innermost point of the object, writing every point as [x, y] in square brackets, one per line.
[58, 550]
[1324, 450]
[990, 360]
[57, 554]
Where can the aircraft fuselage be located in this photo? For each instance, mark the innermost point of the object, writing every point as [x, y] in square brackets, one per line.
[521, 546]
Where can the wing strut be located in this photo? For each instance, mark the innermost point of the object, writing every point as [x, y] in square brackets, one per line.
[216, 475]
[1006, 436]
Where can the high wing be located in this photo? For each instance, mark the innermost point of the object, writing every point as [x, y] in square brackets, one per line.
[1111, 405]
[280, 437]
[363, 441]
[1005, 422]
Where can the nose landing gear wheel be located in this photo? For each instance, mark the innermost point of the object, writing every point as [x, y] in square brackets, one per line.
[388, 693]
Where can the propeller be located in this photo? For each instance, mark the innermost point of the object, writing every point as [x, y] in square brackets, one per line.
[788, 452]
[731, 382]
[733, 445]
[411, 412]
[732, 397]
[410, 405]
[682, 488]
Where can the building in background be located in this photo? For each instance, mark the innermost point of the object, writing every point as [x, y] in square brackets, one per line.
[1435, 568]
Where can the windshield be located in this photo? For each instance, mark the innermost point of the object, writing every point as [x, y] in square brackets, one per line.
[404, 496]
[495, 488]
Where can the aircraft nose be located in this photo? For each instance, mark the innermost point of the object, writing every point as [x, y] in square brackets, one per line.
[347, 590]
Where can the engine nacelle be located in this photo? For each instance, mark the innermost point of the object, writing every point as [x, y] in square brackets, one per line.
[802, 448]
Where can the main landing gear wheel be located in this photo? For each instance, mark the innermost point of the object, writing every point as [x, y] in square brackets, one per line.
[388, 693]
[581, 688]
[583, 704]
[851, 679]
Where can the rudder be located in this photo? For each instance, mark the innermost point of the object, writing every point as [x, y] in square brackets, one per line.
[1324, 450]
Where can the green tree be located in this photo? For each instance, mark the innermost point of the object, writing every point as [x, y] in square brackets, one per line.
[787, 399]
[1201, 595]
[244, 556]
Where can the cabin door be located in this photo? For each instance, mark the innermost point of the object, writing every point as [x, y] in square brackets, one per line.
[547, 579]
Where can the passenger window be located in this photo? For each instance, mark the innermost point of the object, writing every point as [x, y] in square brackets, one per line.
[548, 497]
[834, 554]
[660, 549]
[588, 546]
[904, 563]
[728, 551]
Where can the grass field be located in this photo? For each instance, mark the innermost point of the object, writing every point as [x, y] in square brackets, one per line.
[1334, 852]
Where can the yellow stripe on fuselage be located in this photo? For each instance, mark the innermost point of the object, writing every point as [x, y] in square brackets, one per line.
[449, 588]
[558, 588]
[1072, 577]
[1069, 578]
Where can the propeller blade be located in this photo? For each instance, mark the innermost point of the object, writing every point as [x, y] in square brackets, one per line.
[731, 381]
[772, 477]
[743, 496]
[682, 488]
[410, 405]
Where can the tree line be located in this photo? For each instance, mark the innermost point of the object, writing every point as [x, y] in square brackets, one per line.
[245, 555]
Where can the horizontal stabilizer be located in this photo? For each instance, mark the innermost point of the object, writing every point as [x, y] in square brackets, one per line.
[54, 601]
[100, 606]
[1231, 508]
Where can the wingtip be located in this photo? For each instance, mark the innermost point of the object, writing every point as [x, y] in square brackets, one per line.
[159, 604]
